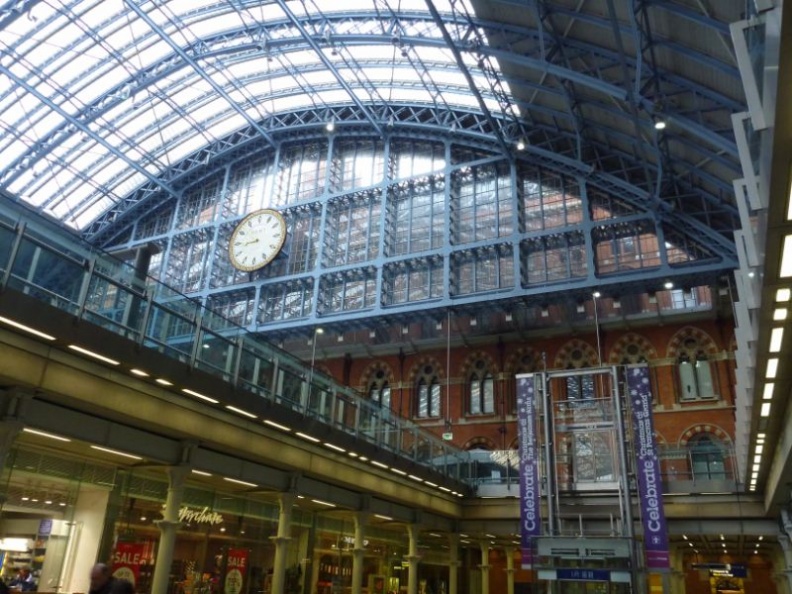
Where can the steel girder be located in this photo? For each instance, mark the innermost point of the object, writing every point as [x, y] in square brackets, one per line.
[421, 121]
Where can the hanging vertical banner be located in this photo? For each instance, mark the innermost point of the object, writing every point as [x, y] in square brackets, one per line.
[530, 517]
[650, 492]
[236, 570]
[127, 559]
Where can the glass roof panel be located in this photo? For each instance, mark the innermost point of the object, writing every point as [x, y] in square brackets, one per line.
[115, 74]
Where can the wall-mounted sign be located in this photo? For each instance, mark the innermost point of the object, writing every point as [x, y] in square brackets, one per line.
[199, 516]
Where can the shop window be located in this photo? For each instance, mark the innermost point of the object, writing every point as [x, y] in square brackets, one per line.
[481, 390]
[706, 459]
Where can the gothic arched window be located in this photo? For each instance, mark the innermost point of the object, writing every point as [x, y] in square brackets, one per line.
[379, 390]
[706, 458]
[481, 391]
[428, 388]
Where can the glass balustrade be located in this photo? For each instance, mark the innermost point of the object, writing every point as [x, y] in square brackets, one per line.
[94, 287]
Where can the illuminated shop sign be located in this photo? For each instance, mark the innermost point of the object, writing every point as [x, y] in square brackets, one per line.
[199, 516]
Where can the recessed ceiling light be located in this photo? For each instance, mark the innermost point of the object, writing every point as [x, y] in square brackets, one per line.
[97, 356]
[779, 314]
[776, 338]
[116, 452]
[138, 372]
[240, 411]
[199, 395]
[276, 425]
[767, 394]
[45, 434]
[27, 329]
[238, 482]
[201, 472]
[310, 438]
[765, 410]
[163, 381]
[772, 368]
[786, 258]
[783, 295]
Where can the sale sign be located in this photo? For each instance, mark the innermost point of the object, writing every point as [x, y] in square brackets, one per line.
[236, 570]
[127, 559]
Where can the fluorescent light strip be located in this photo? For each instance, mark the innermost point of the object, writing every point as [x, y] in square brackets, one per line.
[757, 459]
[163, 382]
[45, 434]
[276, 425]
[381, 517]
[201, 472]
[430, 484]
[240, 411]
[765, 410]
[332, 446]
[776, 338]
[786, 258]
[380, 464]
[320, 502]
[783, 295]
[397, 471]
[310, 438]
[102, 358]
[198, 395]
[116, 452]
[759, 448]
[27, 329]
[446, 489]
[779, 314]
[138, 372]
[353, 454]
[415, 478]
[772, 368]
[238, 482]
[768, 391]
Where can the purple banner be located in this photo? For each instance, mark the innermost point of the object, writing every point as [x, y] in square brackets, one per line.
[650, 492]
[530, 517]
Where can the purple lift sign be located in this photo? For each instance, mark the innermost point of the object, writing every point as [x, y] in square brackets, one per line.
[650, 492]
[530, 517]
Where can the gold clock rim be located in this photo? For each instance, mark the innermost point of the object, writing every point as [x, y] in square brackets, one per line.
[281, 220]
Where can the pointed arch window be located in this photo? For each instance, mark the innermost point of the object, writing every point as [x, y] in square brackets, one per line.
[481, 390]
[707, 460]
[428, 390]
[379, 390]
[695, 376]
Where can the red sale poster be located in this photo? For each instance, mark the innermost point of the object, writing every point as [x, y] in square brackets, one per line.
[236, 569]
[127, 559]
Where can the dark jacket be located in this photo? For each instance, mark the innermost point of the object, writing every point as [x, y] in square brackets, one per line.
[115, 586]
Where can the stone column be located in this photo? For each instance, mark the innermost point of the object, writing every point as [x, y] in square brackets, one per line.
[485, 567]
[168, 526]
[412, 559]
[361, 520]
[453, 563]
[509, 551]
[286, 501]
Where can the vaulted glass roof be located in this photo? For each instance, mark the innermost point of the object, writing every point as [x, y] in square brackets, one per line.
[99, 98]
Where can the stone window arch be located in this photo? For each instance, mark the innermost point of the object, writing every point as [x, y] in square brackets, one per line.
[426, 380]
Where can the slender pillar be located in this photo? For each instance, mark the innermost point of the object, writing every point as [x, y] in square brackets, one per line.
[412, 559]
[8, 433]
[453, 563]
[509, 569]
[485, 567]
[361, 520]
[167, 527]
[286, 501]
[786, 547]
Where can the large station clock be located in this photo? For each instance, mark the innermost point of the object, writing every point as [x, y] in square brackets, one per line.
[257, 239]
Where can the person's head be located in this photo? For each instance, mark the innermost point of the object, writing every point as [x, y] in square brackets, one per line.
[100, 575]
[24, 572]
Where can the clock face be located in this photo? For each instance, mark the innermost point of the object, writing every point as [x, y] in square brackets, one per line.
[257, 239]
